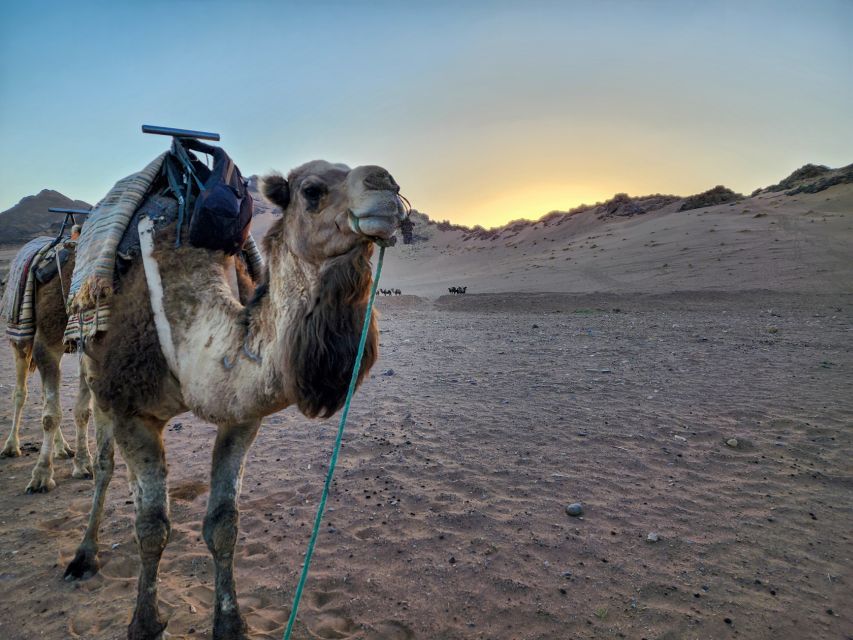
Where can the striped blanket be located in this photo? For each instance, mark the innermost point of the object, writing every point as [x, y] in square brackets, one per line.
[94, 271]
[93, 282]
[19, 297]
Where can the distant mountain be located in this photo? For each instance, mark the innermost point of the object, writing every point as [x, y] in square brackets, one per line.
[30, 217]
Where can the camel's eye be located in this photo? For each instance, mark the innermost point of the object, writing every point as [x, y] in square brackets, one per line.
[313, 192]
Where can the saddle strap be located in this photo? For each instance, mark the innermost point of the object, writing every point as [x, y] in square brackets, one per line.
[155, 289]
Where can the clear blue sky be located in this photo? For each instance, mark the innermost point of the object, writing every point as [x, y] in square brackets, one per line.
[483, 111]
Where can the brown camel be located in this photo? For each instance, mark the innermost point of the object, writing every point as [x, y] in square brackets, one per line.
[44, 352]
[186, 343]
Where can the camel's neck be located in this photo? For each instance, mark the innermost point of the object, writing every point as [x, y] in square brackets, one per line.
[317, 314]
[295, 343]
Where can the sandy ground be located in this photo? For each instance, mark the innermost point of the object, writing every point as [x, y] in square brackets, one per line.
[638, 348]
[485, 416]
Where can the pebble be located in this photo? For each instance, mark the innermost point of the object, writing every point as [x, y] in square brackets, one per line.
[732, 442]
[653, 537]
[575, 509]
[388, 372]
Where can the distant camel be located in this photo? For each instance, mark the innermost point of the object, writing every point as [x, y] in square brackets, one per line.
[397, 292]
[44, 352]
[459, 290]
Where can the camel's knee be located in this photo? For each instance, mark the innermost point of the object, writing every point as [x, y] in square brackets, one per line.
[220, 529]
[82, 415]
[152, 532]
[50, 422]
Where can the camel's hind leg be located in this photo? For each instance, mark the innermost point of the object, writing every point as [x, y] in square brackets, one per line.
[140, 440]
[47, 361]
[85, 563]
[220, 525]
[82, 411]
[23, 360]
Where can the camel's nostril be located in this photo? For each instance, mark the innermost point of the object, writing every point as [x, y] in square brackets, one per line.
[380, 180]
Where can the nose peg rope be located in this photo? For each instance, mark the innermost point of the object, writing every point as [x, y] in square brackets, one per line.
[334, 459]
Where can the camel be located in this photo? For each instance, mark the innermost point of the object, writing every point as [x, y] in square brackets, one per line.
[44, 352]
[192, 346]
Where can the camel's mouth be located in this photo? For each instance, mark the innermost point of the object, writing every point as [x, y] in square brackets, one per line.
[378, 215]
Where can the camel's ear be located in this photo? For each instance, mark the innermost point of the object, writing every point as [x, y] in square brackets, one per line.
[276, 190]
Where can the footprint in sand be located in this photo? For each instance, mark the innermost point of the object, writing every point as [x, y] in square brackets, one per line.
[188, 491]
[331, 625]
[390, 630]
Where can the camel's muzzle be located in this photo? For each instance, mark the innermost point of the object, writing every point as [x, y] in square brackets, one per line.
[376, 207]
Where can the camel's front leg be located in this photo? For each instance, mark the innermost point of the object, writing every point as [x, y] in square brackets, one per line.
[47, 362]
[85, 562]
[23, 357]
[141, 444]
[82, 411]
[220, 525]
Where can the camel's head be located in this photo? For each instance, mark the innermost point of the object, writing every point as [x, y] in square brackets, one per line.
[329, 209]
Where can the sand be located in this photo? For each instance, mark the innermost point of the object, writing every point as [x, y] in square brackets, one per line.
[485, 416]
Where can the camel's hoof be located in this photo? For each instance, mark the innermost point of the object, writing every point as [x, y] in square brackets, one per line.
[84, 565]
[63, 453]
[11, 451]
[82, 470]
[41, 482]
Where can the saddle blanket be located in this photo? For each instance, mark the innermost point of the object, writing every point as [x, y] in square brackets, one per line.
[19, 296]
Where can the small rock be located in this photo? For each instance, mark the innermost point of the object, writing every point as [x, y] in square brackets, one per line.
[452, 560]
[193, 609]
[388, 372]
[535, 326]
[653, 537]
[575, 509]
[732, 442]
[115, 545]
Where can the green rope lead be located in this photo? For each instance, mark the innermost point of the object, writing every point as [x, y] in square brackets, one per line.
[322, 506]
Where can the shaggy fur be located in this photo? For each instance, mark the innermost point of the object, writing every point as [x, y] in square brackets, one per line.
[324, 346]
[133, 373]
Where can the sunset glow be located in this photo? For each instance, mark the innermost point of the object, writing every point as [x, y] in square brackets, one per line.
[484, 112]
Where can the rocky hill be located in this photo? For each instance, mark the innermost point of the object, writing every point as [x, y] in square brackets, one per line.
[30, 217]
[811, 178]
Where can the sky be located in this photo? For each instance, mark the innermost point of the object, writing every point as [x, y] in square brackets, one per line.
[484, 111]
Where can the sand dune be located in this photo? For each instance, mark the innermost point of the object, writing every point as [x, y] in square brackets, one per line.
[771, 241]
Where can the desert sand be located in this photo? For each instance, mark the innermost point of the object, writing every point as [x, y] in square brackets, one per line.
[605, 362]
